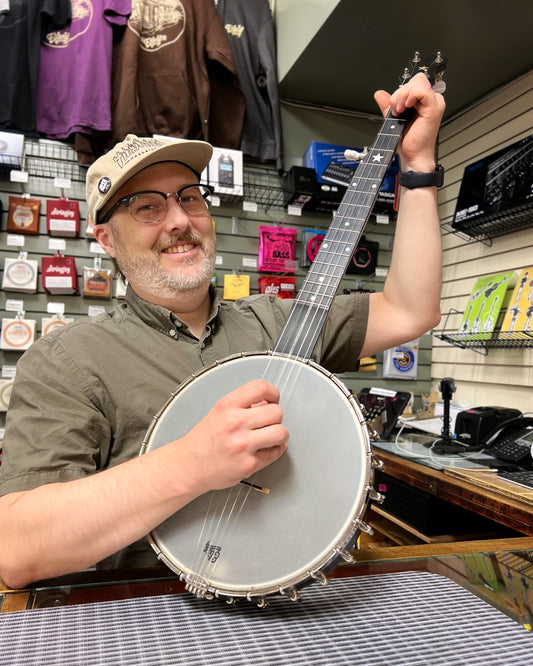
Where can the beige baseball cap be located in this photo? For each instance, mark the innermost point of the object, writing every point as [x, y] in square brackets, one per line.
[130, 156]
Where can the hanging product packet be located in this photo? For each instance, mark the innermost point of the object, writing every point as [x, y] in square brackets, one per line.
[236, 286]
[401, 362]
[58, 274]
[6, 386]
[277, 249]
[62, 217]
[17, 334]
[49, 324]
[20, 275]
[97, 282]
[280, 286]
[311, 242]
[23, 215]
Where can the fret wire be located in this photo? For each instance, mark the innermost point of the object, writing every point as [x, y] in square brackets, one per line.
[316, 294]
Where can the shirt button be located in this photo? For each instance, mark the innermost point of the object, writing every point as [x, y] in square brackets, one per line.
[172, 333]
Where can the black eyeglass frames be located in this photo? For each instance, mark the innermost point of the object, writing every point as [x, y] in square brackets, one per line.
[151, 206]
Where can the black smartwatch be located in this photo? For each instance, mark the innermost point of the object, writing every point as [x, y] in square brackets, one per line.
[412, 179]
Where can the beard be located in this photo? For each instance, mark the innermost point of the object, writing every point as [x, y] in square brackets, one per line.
[145, 272]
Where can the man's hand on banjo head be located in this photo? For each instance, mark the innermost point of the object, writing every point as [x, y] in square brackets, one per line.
[241, 434]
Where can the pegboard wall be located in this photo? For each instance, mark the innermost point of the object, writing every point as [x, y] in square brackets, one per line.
[53, 172]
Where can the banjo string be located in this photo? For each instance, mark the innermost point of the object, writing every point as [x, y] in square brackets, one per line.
[286, 377]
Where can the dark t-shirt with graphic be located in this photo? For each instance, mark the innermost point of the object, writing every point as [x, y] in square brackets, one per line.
[22, 27]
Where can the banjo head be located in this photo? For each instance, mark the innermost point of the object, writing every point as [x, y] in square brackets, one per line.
[287, 528]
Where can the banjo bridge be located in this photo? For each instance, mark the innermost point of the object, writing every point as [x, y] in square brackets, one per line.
[260, 489]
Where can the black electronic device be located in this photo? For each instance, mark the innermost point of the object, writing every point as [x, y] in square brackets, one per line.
[495, 189]
[474, 425]
[339, 174]
[512, 441]
[383, 408]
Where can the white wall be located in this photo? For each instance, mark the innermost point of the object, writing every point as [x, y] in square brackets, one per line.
[503, 376]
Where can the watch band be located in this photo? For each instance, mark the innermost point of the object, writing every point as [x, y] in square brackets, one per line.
[412, 179]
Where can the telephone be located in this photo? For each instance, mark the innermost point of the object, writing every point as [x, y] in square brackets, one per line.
[512, 441]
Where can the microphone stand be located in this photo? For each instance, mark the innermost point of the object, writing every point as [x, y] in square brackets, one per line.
[447, 444]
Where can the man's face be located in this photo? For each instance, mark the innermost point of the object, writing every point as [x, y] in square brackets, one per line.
[160, 259]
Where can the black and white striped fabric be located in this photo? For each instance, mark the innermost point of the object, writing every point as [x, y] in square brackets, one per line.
[413, 618]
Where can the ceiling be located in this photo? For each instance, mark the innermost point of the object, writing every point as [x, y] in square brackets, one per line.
[363, 47]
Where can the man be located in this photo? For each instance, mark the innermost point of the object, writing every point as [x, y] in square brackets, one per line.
[85, 395]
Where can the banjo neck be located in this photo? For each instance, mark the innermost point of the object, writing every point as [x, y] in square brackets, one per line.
[311, 306]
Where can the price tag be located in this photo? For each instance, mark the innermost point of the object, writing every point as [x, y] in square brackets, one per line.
[249, 206]
[215, 201]
[219, 260]
[63, 183]
[95, 310]
[15, 241]
[249, 262]
[18, 176]
[9, 371]
[96, 248]
[294, 210]
[14, 306]
[57, 244]
[381, 272]
[382, 219]
[55, 308]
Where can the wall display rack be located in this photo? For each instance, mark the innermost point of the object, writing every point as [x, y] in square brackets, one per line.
[482, 342]
[44, 158]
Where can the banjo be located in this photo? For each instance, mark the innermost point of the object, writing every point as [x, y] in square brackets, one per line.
[292, 522]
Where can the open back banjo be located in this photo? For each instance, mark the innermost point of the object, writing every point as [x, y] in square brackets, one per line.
[293, 521]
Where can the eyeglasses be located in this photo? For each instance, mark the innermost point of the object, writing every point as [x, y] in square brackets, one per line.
[150, 206]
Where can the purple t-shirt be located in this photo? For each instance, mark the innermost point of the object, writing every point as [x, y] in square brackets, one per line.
[74, 86]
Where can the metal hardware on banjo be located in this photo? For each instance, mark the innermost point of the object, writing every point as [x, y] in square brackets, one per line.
[292, 522]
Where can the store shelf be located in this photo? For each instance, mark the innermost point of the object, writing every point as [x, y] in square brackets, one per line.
[482, 342]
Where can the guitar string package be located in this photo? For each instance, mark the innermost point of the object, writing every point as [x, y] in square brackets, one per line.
[401, 362]
[17, 334]
[20, 275]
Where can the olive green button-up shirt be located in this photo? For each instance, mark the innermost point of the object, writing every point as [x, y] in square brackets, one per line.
[85, 395]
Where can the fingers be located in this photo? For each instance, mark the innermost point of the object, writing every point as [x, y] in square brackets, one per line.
[417, 92]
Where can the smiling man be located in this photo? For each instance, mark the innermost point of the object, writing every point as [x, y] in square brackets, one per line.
[74, 490]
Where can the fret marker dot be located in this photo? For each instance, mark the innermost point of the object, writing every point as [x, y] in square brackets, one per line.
[321, 278]
[325, 246]
[313, 298]
[347, 249]
[346, 224]
[374, 186]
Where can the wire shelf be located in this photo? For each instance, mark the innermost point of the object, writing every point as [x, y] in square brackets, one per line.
[481, 342]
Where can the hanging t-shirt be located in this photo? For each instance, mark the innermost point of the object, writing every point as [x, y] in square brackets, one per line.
[74, 85]
[250, 30]
[174, 75]
[21, 30]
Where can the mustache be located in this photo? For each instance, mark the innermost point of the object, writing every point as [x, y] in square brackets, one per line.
[187, 237]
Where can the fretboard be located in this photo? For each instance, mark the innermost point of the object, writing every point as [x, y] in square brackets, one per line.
[311, 306]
